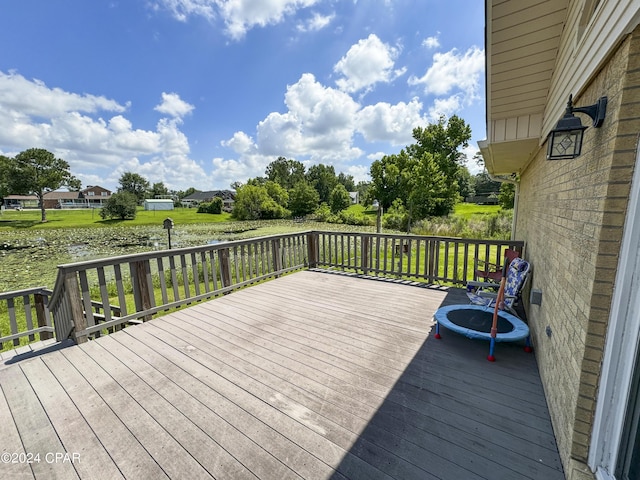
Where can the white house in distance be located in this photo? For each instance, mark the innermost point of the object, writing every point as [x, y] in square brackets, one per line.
[158, 204]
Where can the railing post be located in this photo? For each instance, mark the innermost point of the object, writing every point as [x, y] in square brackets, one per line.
[225, 267]
[42, 315]
[432, 260]
[141, 295]
[312, 249]
[365, 243]
[277, 258]
[72, 290]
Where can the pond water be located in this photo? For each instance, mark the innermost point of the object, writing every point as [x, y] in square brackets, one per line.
[29, 259]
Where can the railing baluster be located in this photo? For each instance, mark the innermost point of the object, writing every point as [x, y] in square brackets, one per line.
[196, 273]
[26, 301]
[43, 315]
[163, 281]
[205, 271]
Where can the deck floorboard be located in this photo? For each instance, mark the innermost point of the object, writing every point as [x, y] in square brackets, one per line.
[313, 375]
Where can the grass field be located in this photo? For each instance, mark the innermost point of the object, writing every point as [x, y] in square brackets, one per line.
[30, 219]
[91, 218]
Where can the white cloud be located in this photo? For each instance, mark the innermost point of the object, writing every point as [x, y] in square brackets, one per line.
[319, 124]
[33, 97]
[240, 143]
[391, 123]
[316, 22]
[368, 62]
[67, 124]
[453, 71]
[183, 9]
[431, 42]
[239, 16]
[173, 105]
[445, 107]
[360, 173]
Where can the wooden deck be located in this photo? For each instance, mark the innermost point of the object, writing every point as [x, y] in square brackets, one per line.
[312, 375]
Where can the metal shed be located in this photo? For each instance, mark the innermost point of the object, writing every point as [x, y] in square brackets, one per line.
[158, 204]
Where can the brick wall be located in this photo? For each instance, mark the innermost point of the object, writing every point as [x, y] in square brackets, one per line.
[571, 214]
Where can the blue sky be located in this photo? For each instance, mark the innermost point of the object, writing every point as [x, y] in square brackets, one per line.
[201, 93]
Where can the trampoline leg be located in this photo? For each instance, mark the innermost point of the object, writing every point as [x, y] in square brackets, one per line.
[492, 346]
[437, 335]
[527, 347]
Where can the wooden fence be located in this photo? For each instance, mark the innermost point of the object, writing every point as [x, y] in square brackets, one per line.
[99, 296]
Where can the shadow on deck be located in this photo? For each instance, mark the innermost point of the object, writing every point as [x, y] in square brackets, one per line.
[311, 376]
[453, 415]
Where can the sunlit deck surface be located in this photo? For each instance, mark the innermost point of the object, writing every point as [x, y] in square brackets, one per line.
[312, 375]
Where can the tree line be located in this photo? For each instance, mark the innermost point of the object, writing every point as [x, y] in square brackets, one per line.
[426, 178]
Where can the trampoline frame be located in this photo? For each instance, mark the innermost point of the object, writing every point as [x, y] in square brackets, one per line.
[520, 329]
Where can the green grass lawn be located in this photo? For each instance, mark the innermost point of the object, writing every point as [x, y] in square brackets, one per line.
[91, 218]
[468, 210]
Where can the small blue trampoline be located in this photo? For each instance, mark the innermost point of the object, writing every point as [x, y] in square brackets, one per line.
[475, 322]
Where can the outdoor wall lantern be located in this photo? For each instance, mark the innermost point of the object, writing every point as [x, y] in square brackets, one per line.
[565, 141]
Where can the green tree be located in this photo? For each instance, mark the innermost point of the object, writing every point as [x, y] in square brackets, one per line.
[185, 193]
[277, 192]
[347, 181]
[390, 176]
[339, 198]
[253, 202]
[134, 183]
[158, 190]
[121, 205]
[428, 191]
[303, 199]
[285, 172]
[507, 195]
[323, 179]
[465, 183]
[4, 177]
[37, 171]
[484, 185]
[444, 140]
[364, 192]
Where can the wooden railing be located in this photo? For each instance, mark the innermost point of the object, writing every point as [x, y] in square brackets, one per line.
[99, 296]
[133, 288]
[423, 258]
[21, 307]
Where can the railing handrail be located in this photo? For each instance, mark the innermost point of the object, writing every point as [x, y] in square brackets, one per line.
[83, 301]
[174, 251]
[25, 291]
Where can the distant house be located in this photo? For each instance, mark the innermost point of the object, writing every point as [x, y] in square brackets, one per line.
[20, 201]
[90, 197]
[158, 204]
[355, 197]
[95, 195]
[196, 198]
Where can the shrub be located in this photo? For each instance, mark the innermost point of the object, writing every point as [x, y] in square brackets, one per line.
[396, 217]
[351, 218]
[120, 205]
[215, 207]
[323, 213]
